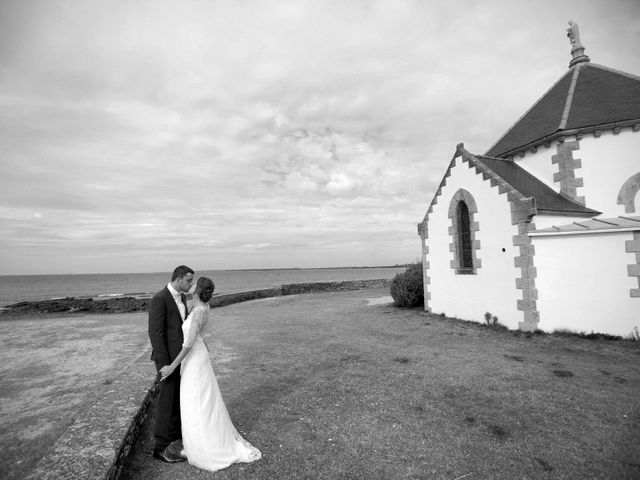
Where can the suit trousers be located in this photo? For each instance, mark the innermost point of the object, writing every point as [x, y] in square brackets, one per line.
[168, 425]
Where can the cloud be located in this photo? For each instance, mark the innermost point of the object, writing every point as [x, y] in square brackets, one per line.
[133, 133]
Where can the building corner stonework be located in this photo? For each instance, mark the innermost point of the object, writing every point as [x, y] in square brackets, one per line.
[633, 270]
[423, 231]
[567, 166]
[523, 209]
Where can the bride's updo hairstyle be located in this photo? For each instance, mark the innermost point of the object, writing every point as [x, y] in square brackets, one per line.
[204, 288]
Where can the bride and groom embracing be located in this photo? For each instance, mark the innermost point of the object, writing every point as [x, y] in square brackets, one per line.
[190, 406]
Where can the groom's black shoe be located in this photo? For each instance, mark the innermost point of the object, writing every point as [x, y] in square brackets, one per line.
[169, 455]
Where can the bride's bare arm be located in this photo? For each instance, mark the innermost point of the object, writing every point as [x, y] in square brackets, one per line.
[195, 327]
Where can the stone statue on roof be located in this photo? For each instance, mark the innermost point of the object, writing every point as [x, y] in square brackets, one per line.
[573, 32]
[577, 49]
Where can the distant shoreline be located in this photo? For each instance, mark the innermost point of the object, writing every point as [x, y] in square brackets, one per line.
[406, 265]
[32, 288]
[130, 304]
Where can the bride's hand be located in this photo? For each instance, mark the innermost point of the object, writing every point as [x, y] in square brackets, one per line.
[165, 371]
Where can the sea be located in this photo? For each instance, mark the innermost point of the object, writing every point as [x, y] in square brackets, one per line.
[18, 288]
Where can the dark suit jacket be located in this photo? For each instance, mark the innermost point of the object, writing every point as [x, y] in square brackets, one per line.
[165, 328]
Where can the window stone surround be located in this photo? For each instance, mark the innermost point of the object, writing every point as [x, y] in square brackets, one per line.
[454, 246]
[627, 193]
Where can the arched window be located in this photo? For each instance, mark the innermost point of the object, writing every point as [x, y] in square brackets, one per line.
[627, 193]
[464, 245]
[464, 237]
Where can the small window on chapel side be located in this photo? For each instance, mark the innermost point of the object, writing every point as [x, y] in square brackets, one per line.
[464, 238]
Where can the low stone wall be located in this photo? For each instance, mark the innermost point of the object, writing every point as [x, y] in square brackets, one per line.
[98, 445]
[298, 288]
[125, 450]
[231, 298]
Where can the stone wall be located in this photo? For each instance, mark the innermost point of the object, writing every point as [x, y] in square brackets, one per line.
[298, 288]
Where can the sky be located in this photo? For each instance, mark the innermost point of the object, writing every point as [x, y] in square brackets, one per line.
[139, 135]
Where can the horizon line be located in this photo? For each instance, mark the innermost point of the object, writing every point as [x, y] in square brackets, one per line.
[398, 265]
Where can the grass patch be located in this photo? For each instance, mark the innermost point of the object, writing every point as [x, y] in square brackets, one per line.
[327, 387]
[401, 360]
[544, 464]
[498, 432]
[515, 358]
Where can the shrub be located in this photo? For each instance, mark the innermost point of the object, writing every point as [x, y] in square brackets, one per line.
[407, 288]
[565, 332]
[491, 320]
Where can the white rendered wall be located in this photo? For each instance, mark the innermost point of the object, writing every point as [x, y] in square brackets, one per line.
[493, 288]
[539, 164]
[608, 162]
[583, 284]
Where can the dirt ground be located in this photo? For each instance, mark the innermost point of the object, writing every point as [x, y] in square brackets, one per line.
[50, 369]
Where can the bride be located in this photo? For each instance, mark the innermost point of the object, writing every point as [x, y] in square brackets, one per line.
[210, 440]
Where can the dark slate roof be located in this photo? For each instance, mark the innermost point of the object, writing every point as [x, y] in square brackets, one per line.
[603, 96]
[547, 199]
[585, 97]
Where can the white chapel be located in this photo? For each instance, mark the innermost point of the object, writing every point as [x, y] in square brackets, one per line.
[543, 230]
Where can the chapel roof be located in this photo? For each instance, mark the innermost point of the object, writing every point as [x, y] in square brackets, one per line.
[586, 98]
[547, 199]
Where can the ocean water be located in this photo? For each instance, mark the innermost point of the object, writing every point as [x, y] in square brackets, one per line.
[17, 288]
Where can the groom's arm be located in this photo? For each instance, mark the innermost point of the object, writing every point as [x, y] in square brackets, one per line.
[157, 330]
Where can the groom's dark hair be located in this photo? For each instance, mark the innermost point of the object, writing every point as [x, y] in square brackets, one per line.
[180, 272]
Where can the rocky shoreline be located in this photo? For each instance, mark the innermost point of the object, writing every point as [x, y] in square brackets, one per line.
[127, 304]
[73, 305]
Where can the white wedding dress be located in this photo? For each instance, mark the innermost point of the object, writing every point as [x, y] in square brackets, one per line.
[210, 440]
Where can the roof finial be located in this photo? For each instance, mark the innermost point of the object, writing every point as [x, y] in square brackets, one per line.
[577, 50]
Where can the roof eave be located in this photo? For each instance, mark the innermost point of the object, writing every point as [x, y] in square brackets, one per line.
[549, 233]
[568, 213]
[546, 141]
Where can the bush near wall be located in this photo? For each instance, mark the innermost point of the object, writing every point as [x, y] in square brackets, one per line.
[407, 287]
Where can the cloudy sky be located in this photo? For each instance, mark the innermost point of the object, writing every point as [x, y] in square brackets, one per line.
[137, 135]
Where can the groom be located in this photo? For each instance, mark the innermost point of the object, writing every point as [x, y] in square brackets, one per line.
[167, 311]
